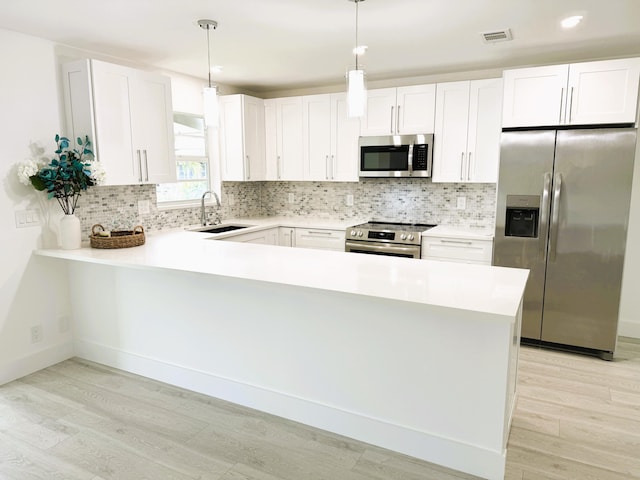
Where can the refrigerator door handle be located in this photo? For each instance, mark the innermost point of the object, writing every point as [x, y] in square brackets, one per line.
[555, 214]
[544, 214]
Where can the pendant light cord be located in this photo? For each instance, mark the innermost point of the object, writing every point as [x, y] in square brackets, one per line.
[356, 46]
[209, 54]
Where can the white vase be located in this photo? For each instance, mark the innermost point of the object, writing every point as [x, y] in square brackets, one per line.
[70, 232]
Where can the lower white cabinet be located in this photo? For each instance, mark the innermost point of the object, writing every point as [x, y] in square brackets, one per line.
[287, 236]
[266, 237]
[458, 249]
[319, 238]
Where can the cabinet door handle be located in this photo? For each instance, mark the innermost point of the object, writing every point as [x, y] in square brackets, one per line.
[278, 174]
[146, 165]
[571, 105]
[459, 242]
[326, 167]
[391, 129]
[398, 119]
[139, 166]
[333, 170]
[469, 166]
[561, 101]
[462, 166]
[292, 238]
[248, 168]
[319, 232]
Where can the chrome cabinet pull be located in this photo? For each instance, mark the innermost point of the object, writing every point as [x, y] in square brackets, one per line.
[462, 166]
[248, 168]
[459, 242]
[469, 166]
[332, 165]
[326, 167]
[398, 119]
[571, 105]
[555, 216]
[139, 166]
[561, 101]
[146, 165]
[278, 174]
[391, 129]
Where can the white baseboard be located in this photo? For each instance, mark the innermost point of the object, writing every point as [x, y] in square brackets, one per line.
[628, 328]
[37, 361]
[400, 438]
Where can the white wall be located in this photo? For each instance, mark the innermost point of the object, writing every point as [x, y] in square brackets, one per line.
[629, 316]
[29, 296]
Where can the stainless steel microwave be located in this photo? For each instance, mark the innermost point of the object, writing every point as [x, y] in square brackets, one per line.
[396, 156]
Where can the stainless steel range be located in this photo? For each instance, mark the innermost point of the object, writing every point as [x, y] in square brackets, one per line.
[386, 238]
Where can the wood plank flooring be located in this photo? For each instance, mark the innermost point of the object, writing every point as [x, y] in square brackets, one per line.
[577, 418]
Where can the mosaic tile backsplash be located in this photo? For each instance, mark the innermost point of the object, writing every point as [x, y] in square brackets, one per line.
[399, 199]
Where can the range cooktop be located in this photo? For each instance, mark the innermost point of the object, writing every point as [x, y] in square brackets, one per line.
[374, 231]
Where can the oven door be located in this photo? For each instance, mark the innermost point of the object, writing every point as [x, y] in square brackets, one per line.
[381, 248]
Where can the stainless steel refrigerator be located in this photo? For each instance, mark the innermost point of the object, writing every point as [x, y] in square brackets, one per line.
[562, 212]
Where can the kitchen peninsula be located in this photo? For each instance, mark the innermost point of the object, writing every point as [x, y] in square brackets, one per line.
[416, 356]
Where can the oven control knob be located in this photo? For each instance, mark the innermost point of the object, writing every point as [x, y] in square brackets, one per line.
[360, 233]
[411, 237]
[353, 233]
[403, 237]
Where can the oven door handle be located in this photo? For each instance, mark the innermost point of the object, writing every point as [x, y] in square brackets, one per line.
[411, 250]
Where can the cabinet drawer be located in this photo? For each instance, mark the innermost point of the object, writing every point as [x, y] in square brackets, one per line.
[457, 249]
[319, 238]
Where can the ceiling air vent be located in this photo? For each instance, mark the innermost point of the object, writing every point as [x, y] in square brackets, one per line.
[497, 36]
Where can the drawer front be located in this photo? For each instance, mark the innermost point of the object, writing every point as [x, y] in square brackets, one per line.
[320, 238]
[458, 249]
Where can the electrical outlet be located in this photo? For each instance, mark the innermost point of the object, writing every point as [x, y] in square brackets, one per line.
[461, 203]
[349, 200]
[292, 198]
[36, 333]
[144, 208]
[231, 199]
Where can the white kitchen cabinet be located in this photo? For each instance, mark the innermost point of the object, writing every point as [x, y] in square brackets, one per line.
[242, 138]
[319, 238]
[400, 111]
[457, 249]
[127, 114]
[283, 142]
[601, 92]
[286, 236]
[266, 237]
[330, 139]
[467, 131]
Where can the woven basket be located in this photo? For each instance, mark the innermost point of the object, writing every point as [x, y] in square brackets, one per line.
[118, 238]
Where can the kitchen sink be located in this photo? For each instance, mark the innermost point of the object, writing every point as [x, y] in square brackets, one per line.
[218, 228]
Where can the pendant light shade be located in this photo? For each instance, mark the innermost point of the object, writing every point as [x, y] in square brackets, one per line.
[210, 93]
[356, 85]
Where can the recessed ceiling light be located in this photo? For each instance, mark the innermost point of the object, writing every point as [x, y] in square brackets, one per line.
[571, 22]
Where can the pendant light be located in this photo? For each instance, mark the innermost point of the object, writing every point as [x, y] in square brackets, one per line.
[210, 93]
[356, 86]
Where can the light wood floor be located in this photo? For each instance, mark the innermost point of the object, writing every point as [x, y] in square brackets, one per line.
[577, 418]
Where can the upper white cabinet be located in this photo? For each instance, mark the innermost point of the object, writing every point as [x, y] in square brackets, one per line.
[400, 111]
[242, 138]
[330, 139]
[283, 142]
[578, 94]
[467, 131]
[127, 114]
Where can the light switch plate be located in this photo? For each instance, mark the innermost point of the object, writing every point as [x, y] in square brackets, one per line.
[461, 203]
[292, 198]
[27, 218]
[143, 207]
[349, 200]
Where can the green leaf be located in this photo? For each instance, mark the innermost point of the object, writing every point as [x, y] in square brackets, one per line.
[57, 138]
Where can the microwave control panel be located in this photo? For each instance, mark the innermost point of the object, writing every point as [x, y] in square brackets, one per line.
[420, 157]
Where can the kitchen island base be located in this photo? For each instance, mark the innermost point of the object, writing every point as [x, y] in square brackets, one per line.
[433, 382]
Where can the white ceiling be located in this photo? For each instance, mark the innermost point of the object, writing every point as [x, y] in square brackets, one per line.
[267, 45]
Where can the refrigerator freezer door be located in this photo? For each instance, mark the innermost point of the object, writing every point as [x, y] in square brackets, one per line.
[526, 166]
[590, 209]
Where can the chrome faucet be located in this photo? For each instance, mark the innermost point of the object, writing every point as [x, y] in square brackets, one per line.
[203, 219]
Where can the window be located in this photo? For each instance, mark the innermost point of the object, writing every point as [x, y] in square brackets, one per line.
[192, 162]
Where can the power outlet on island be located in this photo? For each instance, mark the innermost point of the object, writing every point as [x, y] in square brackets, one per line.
[461, 203]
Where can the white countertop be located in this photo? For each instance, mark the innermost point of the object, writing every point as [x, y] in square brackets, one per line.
[494, 290]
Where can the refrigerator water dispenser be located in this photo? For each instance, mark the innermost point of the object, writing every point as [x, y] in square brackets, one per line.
[522, 216]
